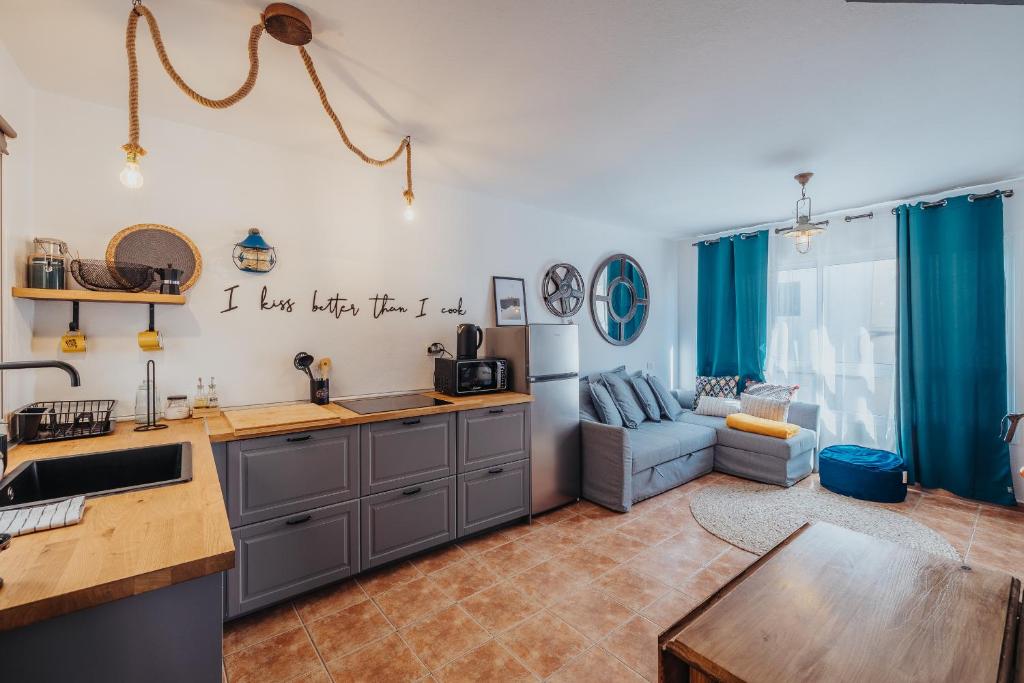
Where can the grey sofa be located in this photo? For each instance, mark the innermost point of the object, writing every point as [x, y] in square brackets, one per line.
[624, 466]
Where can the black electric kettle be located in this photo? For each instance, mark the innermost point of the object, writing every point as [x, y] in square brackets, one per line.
[468, 339]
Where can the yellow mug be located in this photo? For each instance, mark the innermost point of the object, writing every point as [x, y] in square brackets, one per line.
[73, 342]
[150, 340]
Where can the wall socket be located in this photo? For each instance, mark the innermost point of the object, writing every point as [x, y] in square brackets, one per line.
[435, 348]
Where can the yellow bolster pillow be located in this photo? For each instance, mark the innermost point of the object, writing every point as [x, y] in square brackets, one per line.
[759, 425]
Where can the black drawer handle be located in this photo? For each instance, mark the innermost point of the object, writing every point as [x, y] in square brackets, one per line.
[299, 520]
[496, 411]
[293, 439]
[411, 422]
[412, 492]
[496, 470]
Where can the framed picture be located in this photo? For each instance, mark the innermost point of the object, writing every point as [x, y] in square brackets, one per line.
[509, 301]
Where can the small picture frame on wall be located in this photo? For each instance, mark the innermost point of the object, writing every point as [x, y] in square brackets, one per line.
[509, 301]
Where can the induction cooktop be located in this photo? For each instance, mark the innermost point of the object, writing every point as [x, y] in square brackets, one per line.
[385, 404]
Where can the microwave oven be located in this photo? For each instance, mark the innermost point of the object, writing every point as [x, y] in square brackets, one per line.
[467, 376]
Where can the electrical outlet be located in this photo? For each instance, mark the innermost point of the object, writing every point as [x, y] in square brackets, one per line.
[435, 348]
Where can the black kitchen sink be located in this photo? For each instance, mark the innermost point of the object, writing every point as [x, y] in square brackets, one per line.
[96, 474]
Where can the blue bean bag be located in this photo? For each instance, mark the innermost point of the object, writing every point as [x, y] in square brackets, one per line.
[865, 473]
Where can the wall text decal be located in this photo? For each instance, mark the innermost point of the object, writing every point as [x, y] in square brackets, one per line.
[381, 304]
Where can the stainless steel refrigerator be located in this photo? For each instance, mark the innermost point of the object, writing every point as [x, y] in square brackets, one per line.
[544, 360]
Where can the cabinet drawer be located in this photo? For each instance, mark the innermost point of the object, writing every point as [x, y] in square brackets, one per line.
[492, 496]
[280, 475]
[284, 557]
[492, 436]
[403, 452]
[403, 522]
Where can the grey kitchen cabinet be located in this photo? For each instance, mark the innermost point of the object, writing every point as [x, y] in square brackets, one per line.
[492, 496]
[492, 436]
[401, 453]
[220, 460]
[293, 554]
[280, 475]
[402, 522]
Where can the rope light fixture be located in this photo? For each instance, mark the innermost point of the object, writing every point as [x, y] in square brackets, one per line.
[282, 21]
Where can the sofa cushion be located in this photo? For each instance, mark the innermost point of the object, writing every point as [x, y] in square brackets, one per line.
[587, 409]
[625, 399]
[646, 397]
[667, 402]
[783, 449]
[604, 404]
[693, 418]
[658, 442]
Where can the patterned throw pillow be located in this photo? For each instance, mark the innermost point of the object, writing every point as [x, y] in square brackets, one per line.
[717, 407]
[764, 406]
[780, 392]
[722, 387]
[646, 396]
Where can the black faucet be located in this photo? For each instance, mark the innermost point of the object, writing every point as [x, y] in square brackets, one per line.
[29, 364]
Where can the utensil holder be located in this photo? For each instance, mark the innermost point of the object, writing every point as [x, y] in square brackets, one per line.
[320, 391]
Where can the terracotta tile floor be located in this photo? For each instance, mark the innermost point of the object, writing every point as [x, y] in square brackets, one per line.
[579, 595]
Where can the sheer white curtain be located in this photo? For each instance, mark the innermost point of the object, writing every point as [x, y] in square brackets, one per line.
[832, 327]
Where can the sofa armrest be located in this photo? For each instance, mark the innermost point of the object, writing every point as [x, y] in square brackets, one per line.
[804, 415]
[607, 464]
[685, 397]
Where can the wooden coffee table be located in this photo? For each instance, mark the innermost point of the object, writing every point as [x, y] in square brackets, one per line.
[829, 604]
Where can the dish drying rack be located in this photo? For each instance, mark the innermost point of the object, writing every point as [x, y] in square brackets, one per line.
[44, 421]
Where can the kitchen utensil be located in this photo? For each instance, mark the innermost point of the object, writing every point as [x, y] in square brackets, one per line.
[151, 400]
[170, 279]
[112, 276]
[325, 368]
[298, 416]
[468, 340]
[47, 264]
[302, 362]
[155, 245]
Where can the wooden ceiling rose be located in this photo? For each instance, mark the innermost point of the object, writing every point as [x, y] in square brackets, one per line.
[287, 23]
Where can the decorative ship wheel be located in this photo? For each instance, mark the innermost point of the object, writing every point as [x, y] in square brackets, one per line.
[563, 290]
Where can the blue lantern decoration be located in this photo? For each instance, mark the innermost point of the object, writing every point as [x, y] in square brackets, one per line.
[253, 254]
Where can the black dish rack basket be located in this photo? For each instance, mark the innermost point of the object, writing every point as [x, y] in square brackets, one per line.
[57, 420]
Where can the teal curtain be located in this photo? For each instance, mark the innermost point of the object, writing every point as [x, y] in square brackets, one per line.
[952, 347]
[732, 306]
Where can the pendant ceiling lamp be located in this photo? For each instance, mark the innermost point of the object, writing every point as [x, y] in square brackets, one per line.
[282, 21]
[804, 228]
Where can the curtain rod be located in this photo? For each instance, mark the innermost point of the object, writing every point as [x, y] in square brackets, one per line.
[971, 198]
[741, 235]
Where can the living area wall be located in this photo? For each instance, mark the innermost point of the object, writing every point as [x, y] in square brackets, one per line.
[852, 377]
[338, 229]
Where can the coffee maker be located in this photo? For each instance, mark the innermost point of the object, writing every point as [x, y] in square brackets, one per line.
[468, 339]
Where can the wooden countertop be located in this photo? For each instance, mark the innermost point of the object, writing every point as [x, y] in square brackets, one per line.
[126, 544]
[220, 430]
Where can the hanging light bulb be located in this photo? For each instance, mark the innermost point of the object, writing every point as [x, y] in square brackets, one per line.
[131, 174]
[803, 242]
[409, 213]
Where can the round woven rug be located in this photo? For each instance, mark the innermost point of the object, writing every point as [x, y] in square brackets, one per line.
[756, 517]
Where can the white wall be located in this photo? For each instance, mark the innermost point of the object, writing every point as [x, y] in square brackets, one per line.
[1013, 222]
[338, 228]
[16, 106]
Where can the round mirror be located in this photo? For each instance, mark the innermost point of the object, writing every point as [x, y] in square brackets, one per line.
[619, 299]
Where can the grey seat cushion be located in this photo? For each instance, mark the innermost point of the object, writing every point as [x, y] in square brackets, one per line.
[711, 421]
[783, 449]
[658, 442]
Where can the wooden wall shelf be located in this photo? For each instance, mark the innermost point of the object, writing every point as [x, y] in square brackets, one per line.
[98, 297]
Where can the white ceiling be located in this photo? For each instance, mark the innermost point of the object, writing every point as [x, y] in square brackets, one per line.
[677, 117]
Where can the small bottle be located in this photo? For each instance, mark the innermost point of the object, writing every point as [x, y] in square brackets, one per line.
[212, 401]
[200, 400]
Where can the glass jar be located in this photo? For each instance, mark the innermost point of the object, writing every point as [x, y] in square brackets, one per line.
[177, 407]
[141, 408]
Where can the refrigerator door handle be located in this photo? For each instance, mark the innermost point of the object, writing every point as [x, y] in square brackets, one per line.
[551, 378]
